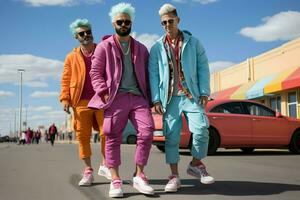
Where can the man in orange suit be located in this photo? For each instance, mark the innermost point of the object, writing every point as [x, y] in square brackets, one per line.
[76, 92]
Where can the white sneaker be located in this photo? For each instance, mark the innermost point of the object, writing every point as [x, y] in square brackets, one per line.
[200, 172]
[141, 184]
[87, 177]
[115, 189]
[173, 184]
[104, 171]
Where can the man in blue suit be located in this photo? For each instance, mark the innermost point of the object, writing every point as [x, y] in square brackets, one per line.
[180, 83]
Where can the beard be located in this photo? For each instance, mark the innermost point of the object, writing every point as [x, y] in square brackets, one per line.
[86, 40]
[123, 33]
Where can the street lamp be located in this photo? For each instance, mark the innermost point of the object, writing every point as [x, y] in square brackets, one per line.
[20, 97]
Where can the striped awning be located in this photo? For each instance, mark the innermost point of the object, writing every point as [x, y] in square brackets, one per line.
[292, 81]
[224, 94]
[276, 84]
[257, 90]
[241, 92]
[287, 79]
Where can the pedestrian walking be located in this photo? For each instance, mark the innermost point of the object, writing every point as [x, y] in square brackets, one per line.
[76, 92]
[180, 83]
[120, 79]
[52, 132]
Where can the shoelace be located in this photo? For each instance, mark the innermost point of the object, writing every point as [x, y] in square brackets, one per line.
[144, 177]
[202, 170]
[117, 183]
[172, 179]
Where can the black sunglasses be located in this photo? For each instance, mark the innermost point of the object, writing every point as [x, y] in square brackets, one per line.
[121, 22]
[88, 32]
[165, 22]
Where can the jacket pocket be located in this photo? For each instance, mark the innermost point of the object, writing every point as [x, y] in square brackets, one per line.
[107, 125]
[204, 120]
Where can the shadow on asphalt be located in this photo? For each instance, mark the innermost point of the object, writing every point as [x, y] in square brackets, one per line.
[194, 187]
[90, 192]
[228, 188]
[240, 153]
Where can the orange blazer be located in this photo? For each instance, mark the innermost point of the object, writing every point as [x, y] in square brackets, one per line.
[73, 77]
[72, 80]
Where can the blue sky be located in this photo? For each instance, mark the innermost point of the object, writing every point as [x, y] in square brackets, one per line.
[36, 37]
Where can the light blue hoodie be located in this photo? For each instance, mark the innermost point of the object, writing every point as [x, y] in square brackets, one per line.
[194, 65]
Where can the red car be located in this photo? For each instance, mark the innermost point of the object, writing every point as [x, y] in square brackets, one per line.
[242, 124]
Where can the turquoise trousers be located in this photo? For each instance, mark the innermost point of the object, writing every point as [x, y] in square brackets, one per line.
[172, 124]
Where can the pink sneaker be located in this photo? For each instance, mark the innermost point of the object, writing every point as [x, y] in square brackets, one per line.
[115, 189]
[87, 177]
[141, 184]
[173, 184]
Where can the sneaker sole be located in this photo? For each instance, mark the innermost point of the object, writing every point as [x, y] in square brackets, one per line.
[86, 184]
[190, 172]
[174, 190]
[116, 195]
[142, 191]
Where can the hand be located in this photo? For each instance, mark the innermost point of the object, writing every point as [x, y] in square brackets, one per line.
[203, 101]
[158, 108]
[106, 97]
[66, 107]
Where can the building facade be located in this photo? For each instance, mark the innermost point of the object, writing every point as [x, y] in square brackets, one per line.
[272, 78]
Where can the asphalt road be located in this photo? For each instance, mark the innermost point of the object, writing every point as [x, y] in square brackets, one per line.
[42, 172]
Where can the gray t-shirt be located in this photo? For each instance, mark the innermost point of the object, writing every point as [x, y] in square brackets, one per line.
[128, 80]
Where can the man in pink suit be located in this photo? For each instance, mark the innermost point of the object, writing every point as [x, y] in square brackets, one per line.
[120, 79]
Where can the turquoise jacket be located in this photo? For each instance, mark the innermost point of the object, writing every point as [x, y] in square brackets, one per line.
[195, 69]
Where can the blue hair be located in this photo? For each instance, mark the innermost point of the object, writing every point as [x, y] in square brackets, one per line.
[122, 8]
[79, 23]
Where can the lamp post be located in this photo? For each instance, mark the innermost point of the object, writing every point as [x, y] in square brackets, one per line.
[20, 99]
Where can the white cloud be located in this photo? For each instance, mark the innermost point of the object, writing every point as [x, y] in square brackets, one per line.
[37, 69]
[39, 3]
[180, 1]
[282, 26]
[41, 94]
[147, 39]
[6, 94]
[204, 2]
[40, 109]
[219, 65]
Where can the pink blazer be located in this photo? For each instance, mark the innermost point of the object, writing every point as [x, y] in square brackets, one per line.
[106, 71]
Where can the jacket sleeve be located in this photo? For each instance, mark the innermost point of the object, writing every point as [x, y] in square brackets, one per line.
[154, 74]
[203, 71]
[65, 80]
[97, 72]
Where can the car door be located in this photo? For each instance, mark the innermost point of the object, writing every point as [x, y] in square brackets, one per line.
[267, 129]
[232, 123]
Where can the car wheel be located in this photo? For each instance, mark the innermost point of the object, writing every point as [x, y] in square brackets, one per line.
[161, 148]
[214, 141]
[131, 139]
[247, 149]
[295, 143]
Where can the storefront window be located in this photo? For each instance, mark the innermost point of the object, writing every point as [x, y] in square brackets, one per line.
[292, 104]
[275, 103]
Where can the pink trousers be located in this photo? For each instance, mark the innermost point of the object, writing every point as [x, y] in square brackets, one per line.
[127, 106]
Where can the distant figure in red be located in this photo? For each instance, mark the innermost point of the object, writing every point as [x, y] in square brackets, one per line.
[37, 136]
[29, 135]
[52, 132]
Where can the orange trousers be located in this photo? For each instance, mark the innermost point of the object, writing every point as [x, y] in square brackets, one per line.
[83, 123]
